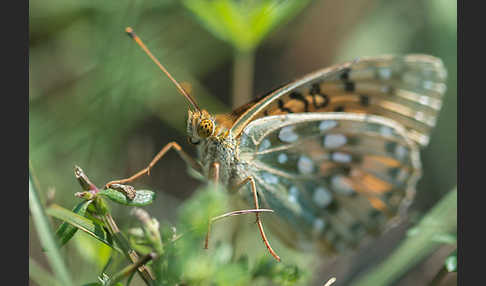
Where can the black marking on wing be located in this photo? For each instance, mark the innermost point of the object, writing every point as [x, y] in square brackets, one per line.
[345, 74]
[349, 86]
[339, 108]
[282, 107]
[315, 91]
[364, 100]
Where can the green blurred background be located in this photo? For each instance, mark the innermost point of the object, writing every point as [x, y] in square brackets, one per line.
[97, 101]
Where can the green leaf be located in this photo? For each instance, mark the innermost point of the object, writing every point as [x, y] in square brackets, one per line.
[244, 24]
[91, 250]
[92, 228]
[206, 203]
[287, 274]
[142, 197]
[451, 262]
[46, 236]
[66, 231]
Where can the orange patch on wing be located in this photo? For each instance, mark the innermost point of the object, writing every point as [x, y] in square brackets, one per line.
[390, 162]
[369, 184]
[224, 120]
[375, 185]
[326, 167]
[377, 204]
[295, 105]
[345, 98]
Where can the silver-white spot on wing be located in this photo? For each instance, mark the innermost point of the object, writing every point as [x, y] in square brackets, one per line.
[287, 134]
[401, 152]
[334, 140]
[419, 116]
[341, 186]
[282, 158]
[322, 197]
[318, 225]
[385, 73]
[327, 124]
[293, 194]
[386, 131]
[269, 178]
[305, 165]
[265, 145]
[341, 157]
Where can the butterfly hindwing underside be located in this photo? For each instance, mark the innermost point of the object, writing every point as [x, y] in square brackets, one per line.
[336, 154]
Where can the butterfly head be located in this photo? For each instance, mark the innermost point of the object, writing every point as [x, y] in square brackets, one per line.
[200, 125]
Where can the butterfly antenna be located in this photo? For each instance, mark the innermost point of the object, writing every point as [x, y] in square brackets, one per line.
[191, 100]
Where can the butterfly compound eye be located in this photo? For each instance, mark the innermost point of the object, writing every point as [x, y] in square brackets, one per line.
[205, 128]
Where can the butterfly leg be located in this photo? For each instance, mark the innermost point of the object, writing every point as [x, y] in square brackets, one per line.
[214, 176]
[214, 172]
[172, 145]
[233, 213]
[258, 220]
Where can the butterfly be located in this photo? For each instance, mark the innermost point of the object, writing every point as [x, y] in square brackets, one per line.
[334, 154]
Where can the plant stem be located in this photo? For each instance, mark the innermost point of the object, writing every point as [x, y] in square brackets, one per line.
[46, 237]
[243, 72]
[122, 242]
[130, 268]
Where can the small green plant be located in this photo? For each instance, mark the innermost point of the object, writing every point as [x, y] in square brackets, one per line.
[159, 254]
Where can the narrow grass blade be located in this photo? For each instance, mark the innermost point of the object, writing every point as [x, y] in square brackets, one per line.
[66, 231]
[244, 25]
[442, 218]
[46, 236]
[92, 228]
[41, 276]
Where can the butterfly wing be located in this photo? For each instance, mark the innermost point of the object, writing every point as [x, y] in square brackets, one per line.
[334, 177]
[407, 89]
